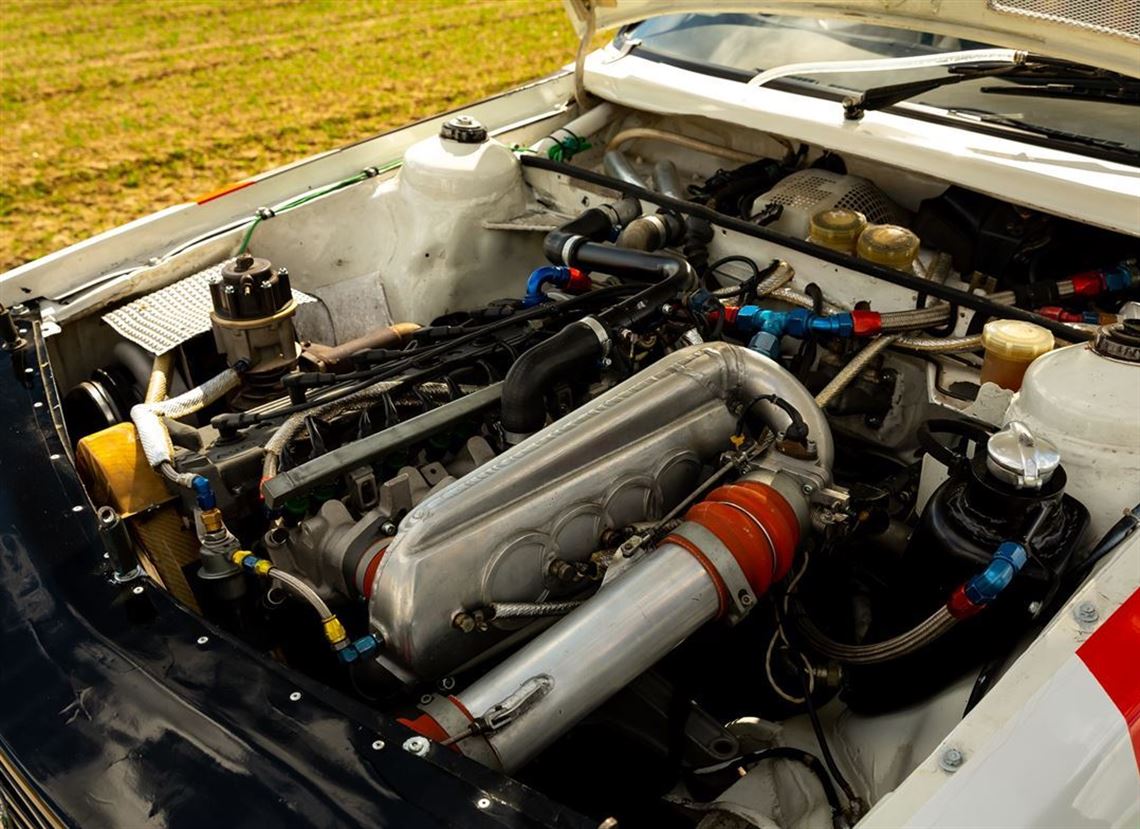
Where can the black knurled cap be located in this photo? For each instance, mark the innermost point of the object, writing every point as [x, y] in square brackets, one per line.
[249, 288]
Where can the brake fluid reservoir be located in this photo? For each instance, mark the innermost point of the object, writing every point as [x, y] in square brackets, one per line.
[1085, 399]
[1011, 345]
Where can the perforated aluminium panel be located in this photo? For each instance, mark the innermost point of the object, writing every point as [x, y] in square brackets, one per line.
[170, 316]
[1116, 17]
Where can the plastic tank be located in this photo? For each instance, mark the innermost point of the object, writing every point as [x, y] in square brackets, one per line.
[1086, 400]
[442, 258]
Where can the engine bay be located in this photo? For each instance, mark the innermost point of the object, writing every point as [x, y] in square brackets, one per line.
[725, 467]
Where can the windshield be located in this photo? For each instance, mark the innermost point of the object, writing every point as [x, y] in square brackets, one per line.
[742, 45]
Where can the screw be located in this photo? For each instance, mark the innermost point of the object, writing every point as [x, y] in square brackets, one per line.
[55, 457]
[138, 591]
[808, 489]
[425, 699]
[1034, 608]
[377, 745]
[483, 803]
[202, 640]
[388, 528]
[29, 371]
[38, 404]
[77, 508]
[951, 760]
[745, 598]
[1086, 612]
[417, 745]
[295, 696]
[447, 683]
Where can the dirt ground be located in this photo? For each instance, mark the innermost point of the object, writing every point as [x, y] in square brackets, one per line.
[112, 110]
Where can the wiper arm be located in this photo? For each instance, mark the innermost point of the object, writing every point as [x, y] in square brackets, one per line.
[1036, 75]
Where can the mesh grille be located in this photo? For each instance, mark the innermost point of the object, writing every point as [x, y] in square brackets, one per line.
[169, 317]
[807, 192]
[1115, 17]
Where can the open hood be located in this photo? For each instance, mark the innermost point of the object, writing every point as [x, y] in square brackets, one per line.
[1103, 33]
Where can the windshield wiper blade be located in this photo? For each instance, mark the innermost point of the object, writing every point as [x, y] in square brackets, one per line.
[986, 117]
[1033, 73]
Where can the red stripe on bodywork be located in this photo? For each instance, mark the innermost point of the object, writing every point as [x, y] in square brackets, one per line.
[1112, 655]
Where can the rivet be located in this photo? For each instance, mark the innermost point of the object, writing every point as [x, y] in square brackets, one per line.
[138, 591]
[295, 696]
[202, 640]
[377, 745]
[417, 745]
[77, 508]
[483, 803]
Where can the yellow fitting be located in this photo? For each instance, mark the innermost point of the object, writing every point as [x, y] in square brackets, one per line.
[238, 556]
[334, 630]
[262, 567]
[212, 520]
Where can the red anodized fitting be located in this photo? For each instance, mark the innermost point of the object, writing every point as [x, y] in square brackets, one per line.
[866, 323]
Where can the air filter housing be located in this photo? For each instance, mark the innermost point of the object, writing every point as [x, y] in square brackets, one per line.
[805, 193]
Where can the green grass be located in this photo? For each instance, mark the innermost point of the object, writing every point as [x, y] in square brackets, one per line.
[112, 110]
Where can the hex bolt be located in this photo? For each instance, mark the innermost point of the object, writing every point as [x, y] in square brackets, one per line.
[951, 760]
[483, 803]
[377, 745]
[1086, 612]
[417, 745]
[202, 640]
[388, 528]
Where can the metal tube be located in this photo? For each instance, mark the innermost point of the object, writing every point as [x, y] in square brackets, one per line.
[596, 650]
[618, 166]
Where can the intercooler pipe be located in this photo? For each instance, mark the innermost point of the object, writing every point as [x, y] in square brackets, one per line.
[579, 345]
[598, 224]
[617, 165]
[732, 546]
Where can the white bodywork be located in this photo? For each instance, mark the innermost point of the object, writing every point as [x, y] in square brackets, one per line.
[1046, 746]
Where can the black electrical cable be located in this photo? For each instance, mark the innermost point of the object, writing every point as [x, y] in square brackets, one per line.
[797, 431]
[240, 419]
[856, 803]
[896, 277]
[784, 753]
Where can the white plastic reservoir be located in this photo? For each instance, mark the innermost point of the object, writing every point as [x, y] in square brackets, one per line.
[1088, 404]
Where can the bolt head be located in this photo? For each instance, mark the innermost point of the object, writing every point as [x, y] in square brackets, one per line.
[483, 803]
[951, 759]
[1087, 612]
[807, 489]
[138, 591]
[202, 640]
[447, 683]
[745, 599]
[295, 696]
[417, 745]
[425, 699]
[377, 745]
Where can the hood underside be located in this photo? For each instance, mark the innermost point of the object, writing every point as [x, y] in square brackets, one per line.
[1103, 33]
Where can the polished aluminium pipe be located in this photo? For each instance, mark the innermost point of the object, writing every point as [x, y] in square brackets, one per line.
[617, 165]
[730, 549]
[596, 650]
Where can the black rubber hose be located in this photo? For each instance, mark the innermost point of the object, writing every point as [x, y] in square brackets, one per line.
[597, 223]
[579, 344]
[906, 280]
[524, 392]
[667, 273]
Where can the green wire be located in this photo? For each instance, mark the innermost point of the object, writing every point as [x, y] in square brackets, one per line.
[316, 194]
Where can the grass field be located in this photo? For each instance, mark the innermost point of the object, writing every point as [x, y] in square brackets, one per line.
[110, 111]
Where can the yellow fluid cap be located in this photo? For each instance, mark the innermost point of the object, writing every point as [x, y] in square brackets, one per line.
[1016, 340]
[838, 228]
[889, 245]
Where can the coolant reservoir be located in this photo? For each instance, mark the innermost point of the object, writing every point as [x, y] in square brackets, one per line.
[1085, 399]
[1011, 345]
[448, 187]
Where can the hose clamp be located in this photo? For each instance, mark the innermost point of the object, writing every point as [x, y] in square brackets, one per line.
[600, 332]
[741, 598]
[569, 247]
